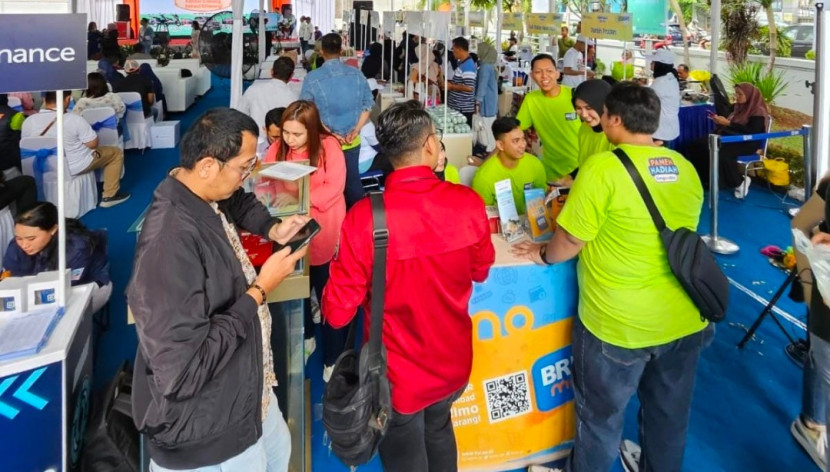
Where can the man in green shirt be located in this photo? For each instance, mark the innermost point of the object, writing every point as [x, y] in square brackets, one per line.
[551, 113]
[510, 162]
[565, 42]
[638, 332]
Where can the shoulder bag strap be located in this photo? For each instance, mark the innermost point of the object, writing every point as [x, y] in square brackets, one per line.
[380, 237]
[49, 127]
[641, 187]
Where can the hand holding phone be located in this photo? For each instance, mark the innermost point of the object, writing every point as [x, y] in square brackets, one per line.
[303, 236]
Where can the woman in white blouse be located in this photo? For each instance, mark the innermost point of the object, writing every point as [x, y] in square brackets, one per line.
[97, 95]
[668, 90]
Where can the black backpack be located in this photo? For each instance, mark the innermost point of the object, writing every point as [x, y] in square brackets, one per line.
[357, 402]
[111, 440]
[689, 257]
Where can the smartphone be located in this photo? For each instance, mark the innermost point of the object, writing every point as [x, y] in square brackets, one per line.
[303, 236]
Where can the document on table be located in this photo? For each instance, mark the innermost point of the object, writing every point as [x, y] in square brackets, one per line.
[27, 333]
[819, 257]
[290, 171]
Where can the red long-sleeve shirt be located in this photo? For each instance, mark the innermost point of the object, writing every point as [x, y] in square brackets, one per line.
[439, 244]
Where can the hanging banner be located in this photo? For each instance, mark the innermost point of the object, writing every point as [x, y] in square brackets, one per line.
[649, 16]
[375, 16]
[477, 18]
[34, 62]
[364, 17]
[518, 407]
[414, 22]
[617, 26]
[437, 25]
[544, 23]
[512, 21]
[388, 23]
[203, 5]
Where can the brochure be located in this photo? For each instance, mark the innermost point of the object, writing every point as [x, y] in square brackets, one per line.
[511, 225]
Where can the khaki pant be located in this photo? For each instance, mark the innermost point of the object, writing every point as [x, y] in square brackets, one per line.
[111, 159]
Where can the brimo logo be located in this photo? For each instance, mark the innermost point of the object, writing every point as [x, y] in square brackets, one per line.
[35, 55]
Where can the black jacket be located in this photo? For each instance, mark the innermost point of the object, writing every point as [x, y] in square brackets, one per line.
[197, 386]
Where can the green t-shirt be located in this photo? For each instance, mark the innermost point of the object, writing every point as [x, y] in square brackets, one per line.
[528, 171]
[451, 174]
[557, 125]
[628, 295]
[564, 45]
[591, 142]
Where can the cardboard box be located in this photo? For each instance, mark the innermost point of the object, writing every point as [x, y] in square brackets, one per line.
[165, 134]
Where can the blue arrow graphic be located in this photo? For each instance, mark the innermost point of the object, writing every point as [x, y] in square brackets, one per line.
[22, 393]
[7, 410]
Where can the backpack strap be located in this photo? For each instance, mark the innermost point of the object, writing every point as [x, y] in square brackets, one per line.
[380, 237]
[641, 187]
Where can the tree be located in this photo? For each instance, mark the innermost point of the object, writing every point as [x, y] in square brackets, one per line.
[740, 28]
[773, 33]
[675, 6]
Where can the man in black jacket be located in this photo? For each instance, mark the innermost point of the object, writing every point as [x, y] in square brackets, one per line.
[202, 388]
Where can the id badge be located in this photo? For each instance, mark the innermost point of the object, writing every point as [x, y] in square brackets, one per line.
[570, 116]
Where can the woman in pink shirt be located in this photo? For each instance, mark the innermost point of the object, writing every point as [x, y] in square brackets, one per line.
[304, 138]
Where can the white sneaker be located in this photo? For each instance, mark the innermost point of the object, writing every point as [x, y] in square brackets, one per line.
[741, 191]
[327, 371]
[309, 346]
[630, 455]
[813, 441]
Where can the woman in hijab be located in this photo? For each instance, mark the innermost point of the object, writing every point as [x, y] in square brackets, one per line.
[372, 64]
[588, 100]
[487, 91]
[147, 71]
[750, 116]
[666, 87]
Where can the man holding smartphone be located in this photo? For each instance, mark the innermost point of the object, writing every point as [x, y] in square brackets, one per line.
[204, 375]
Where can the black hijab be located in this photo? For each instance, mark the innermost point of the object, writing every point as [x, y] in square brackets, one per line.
[592, 92]
[371, 65]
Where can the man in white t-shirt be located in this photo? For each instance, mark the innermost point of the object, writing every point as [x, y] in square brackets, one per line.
[574, 63]
[266, 94]
[80, 143]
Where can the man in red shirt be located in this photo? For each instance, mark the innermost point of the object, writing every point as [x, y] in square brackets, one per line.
[439, 244]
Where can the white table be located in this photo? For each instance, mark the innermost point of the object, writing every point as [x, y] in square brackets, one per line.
[44, 398]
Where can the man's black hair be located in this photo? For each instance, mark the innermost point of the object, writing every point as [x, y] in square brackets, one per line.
[684, 66]
[541, 57]
[283, 68]
[51, 96]
[4, 99]
[504, 125]
[402, 130]
[462, 43]
[331, 44]
[274, 117]
[218, 134]
[638, 107]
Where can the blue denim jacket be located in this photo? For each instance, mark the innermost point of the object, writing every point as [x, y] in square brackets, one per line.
[340, 92]
[487, 90]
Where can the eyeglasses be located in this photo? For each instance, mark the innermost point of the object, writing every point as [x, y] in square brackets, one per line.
[243, 173]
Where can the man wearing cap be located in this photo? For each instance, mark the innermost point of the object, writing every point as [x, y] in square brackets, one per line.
[666, 86]
[574, 63]
[135, 82]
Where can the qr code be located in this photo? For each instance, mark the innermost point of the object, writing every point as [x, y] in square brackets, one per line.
[507, 396]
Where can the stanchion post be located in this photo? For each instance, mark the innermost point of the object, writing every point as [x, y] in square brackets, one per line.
[809, 168]
[713, 241]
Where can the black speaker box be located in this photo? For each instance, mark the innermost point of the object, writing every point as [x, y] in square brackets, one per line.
[122, 12]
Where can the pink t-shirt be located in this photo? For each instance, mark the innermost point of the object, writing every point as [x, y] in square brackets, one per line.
[328, 206]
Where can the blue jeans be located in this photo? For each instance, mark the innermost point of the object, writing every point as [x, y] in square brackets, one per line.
[354, 188]
[816, 392]
[269, 454]
[605, 379]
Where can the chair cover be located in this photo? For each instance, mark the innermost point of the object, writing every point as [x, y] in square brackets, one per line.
[135, 121]
[39, 159]
[6, 230]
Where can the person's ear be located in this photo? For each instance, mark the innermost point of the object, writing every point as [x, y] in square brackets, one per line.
[204, 166]
[499, 145]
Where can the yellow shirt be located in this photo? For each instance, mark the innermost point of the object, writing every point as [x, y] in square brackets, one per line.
[528, 170]
[628, 295]
[591, 142]
[451, 174]
[557, 125]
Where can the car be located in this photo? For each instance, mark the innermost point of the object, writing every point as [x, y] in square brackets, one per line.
[801, 37]
[675, 33]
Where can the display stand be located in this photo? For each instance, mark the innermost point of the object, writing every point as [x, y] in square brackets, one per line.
[45, 398]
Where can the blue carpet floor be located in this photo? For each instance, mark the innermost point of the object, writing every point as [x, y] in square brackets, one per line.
[744, 400]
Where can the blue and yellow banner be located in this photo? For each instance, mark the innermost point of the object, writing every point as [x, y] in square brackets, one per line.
[617, 26]
[544, 23]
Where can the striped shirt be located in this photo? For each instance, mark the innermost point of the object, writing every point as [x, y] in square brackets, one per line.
[465, 74]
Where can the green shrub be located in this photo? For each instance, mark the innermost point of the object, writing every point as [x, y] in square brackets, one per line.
[784, 43]
[770, 84]
[811, 55]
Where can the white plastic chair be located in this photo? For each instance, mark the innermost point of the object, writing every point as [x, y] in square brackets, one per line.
[140, 137]
[15, 103]
[104, 121]
[6, 230]
[466, 174]
[81, 191]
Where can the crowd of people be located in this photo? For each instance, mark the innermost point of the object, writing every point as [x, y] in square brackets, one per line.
[205, 339]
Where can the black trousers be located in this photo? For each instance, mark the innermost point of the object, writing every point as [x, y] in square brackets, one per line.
[21, 191]
[421, 442]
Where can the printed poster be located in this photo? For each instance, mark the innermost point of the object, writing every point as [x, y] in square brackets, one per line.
[617, 26]
[544, 23]
[518, 408]
[476, 18]
[512, 21]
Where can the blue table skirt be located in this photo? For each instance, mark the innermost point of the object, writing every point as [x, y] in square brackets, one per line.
[694, 125]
